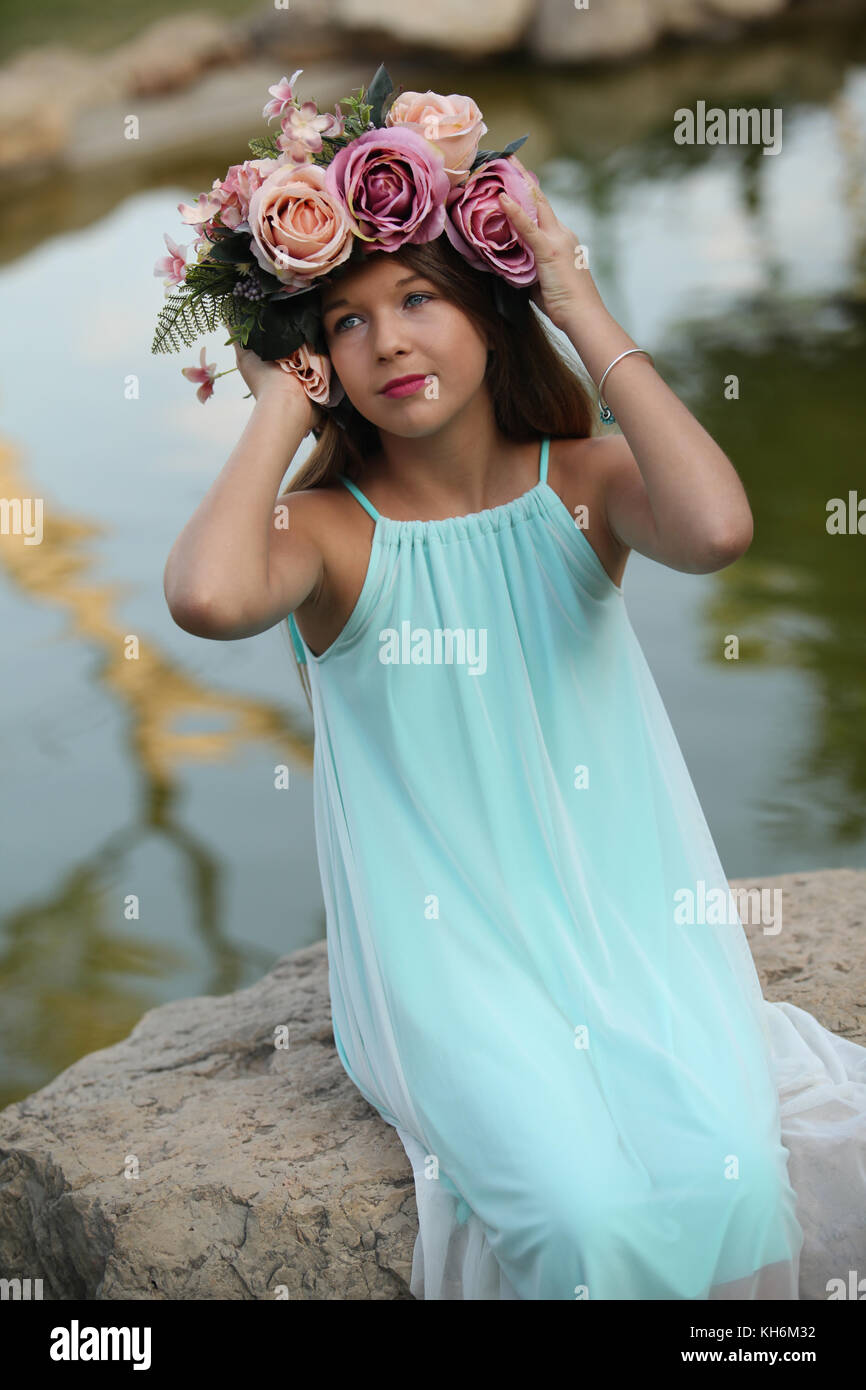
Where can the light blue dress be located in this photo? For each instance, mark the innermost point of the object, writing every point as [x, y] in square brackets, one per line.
[538, 973]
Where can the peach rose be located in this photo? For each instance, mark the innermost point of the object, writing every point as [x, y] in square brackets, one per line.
[314, 373]
[298, 229]
[453, 124]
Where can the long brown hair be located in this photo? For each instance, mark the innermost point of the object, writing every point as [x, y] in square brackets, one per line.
[534, 389]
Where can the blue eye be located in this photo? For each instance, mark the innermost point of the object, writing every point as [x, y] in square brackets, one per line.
[415, 294]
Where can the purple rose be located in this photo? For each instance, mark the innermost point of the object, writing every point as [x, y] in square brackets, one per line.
[479, 229]
[393, 184]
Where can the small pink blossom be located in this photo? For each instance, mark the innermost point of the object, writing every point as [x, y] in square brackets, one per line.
[204, 239]
[205, 208]
[174, 265]
[205, 374]
[302, 130]
[233, 193]
[282, 96]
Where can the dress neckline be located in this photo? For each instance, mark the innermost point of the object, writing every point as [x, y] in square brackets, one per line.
[488, 519]
[487, 516]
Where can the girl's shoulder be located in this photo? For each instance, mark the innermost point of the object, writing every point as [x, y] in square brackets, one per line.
[583, 472]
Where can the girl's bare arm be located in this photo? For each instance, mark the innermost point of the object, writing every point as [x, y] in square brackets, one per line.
[670, 491]
[219, 579]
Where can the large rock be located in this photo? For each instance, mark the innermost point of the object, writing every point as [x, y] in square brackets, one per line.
[39, 95]
[479, 29]
[174, 51]
[198, 1159]
[43, 90]
[201, 1159]
[581, 31]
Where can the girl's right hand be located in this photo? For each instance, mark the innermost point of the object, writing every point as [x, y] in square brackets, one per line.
[261, 377]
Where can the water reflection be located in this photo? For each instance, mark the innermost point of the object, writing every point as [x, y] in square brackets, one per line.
[63, 962]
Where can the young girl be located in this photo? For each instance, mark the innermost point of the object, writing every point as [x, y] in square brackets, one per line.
[537, 973]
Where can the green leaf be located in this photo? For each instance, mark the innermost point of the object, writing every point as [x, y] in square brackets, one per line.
[240, 320]
[358, 120]
[207, 277]
[484, 156]
[282, 326]
[264, 147]
[234, 248]
[183, 318]
[379, 89]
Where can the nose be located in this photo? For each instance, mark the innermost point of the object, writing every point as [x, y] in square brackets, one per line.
[390, 335]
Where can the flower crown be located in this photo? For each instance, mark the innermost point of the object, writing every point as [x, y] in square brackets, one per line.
[320, 196]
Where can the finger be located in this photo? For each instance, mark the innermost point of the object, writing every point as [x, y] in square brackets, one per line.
[546, 215]
[544, 212]
[518, 216]
[547, 219]
[530, 177]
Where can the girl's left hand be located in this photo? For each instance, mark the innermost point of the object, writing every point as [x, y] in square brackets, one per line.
[565, 285]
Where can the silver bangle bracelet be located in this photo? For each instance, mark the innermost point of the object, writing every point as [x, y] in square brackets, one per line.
[606, 415]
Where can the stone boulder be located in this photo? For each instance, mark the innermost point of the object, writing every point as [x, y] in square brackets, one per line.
[221, 1152]
[563, 31]
[43, 90]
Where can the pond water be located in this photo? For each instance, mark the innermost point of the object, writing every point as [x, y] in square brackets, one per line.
[140, 763]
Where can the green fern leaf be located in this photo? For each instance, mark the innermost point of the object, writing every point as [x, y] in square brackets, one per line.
[264, 147]
[183, 318]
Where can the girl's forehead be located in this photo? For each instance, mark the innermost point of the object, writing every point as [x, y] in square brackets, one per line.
[383, 268]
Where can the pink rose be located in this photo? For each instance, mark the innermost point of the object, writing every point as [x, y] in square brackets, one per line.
[478, 228]
[298, 228]
[314, 373]
[453, 124]
[393, 183]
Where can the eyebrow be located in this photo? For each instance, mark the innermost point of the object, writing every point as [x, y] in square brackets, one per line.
[338, 303]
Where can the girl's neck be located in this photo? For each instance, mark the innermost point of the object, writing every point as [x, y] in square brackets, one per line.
[427, 487]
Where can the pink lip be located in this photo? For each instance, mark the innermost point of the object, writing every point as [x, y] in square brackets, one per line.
[405, 387]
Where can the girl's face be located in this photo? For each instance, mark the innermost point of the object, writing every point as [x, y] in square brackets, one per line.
[384, 320]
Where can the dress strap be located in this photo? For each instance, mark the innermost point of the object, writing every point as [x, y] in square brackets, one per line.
[368, 506]
[296, 640]
[542, 467]
[292, 625]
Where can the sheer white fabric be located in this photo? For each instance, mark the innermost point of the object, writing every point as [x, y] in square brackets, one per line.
[821, 1080]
